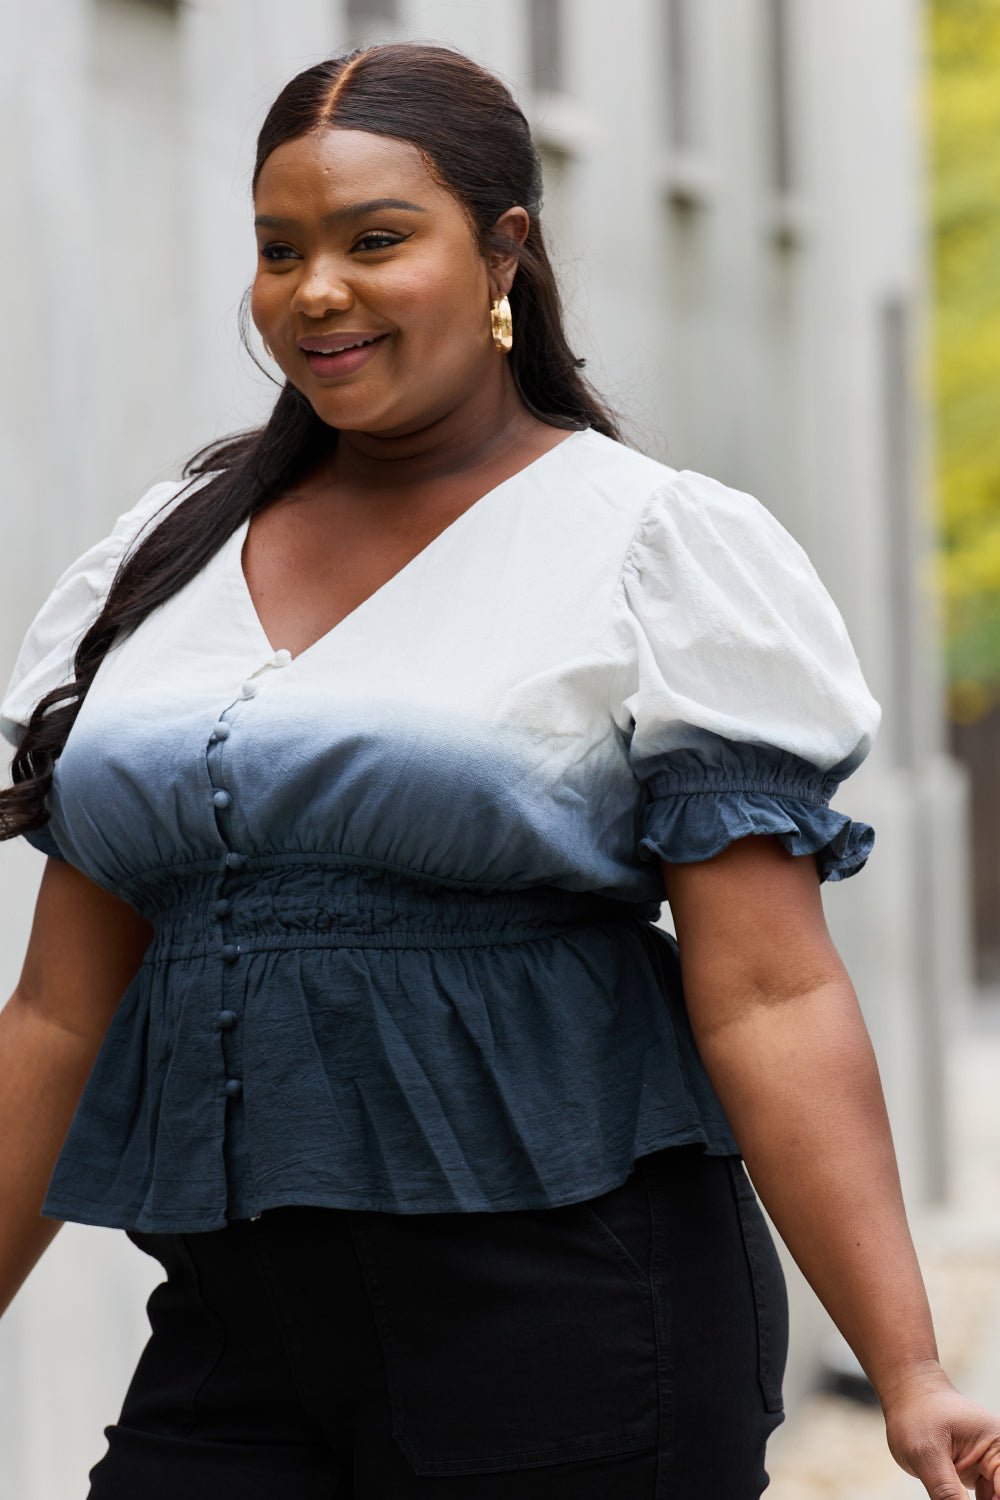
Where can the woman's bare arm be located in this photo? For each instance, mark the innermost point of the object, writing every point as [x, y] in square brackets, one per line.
[85, 947]
[782, 1037]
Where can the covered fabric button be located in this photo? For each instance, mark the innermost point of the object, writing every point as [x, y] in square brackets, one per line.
[221, 798]
[220, 731]
[234, 1087]
[221, 907]
[236, 861]
[227, 1020]
[281, 658]
[230, 952]
[249, 689]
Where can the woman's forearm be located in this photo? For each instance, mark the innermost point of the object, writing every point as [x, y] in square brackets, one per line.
[783, 1040]
[43, 1068]
[84, 949]
[778, 1025]
[798, 1079]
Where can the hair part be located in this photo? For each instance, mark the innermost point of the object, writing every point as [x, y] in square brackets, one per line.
[477, 143]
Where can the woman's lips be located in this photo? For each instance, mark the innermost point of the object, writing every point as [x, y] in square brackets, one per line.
[346, 362]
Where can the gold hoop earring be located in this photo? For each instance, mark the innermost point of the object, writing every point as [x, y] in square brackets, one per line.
[502, 324]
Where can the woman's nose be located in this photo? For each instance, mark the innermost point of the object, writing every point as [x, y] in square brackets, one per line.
[320, 291]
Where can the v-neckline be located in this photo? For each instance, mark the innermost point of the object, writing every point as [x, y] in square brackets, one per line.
[239, 537]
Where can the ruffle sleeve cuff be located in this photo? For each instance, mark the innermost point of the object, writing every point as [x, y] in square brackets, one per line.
[43, 839]
[696, 808]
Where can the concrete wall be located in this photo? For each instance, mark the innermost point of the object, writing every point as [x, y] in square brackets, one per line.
[755, 309]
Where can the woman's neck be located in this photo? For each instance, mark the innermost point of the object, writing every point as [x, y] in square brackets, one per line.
[469, 437]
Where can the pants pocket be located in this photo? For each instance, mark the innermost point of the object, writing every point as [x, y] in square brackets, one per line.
[185, 1344]
[511, 1340]
[769, 1291]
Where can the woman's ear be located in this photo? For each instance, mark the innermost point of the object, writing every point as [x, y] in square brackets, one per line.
[511, 225]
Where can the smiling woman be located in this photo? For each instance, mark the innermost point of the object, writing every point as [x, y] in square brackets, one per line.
[326, 353]
[361, 758]
[368, 304]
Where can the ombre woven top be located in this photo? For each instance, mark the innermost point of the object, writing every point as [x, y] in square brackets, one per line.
[403, 885]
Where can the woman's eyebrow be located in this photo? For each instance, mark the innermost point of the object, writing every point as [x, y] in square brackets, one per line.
[349, 211]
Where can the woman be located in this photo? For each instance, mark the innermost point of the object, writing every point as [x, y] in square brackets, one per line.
[361, 760]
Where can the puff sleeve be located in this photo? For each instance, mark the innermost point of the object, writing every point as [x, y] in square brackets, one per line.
[45, 659]
[743, 704]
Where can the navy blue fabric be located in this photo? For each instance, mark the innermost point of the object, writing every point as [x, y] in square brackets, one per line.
[702, 800]
[394, 1046]
[308, 1028]
[44, 840]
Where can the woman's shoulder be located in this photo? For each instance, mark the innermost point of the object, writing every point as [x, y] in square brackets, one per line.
[667, 512]
[640, 482]
[611, 467]
[45, 659]
[153, 506]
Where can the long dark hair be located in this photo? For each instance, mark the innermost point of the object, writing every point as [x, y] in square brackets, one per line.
[477, 140]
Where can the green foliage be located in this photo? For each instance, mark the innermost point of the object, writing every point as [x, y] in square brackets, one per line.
[964, 106]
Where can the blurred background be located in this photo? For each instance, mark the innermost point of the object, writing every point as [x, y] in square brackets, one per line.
[778, 227]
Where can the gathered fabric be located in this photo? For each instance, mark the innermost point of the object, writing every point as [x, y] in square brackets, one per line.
[702, 800]
[398, 1049]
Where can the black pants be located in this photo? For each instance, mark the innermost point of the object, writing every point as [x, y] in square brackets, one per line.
[632, 1346]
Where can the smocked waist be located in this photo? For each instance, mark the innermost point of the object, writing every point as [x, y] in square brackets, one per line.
[270, 903]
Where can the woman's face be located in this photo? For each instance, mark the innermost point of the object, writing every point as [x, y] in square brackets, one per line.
[357, 242]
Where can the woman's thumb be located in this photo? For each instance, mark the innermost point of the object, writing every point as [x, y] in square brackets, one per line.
[947, 1486]
[939, 1477]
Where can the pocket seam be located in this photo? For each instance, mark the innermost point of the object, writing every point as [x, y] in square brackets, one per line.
[429, 1466]
[746, 1199]
[621, 1251]
[191, 1420]
[220, 1327]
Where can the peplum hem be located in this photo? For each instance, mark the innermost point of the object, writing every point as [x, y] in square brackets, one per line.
[401, 1050]
[303, 1189]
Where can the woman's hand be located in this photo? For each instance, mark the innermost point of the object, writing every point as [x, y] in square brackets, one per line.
[948, 1443]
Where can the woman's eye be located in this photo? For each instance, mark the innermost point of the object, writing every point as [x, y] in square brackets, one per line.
[378, 239]
[375, 239]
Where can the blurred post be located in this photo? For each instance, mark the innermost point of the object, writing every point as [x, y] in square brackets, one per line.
[964, 96]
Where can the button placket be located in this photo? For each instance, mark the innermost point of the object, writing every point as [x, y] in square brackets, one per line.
[229, 1015]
